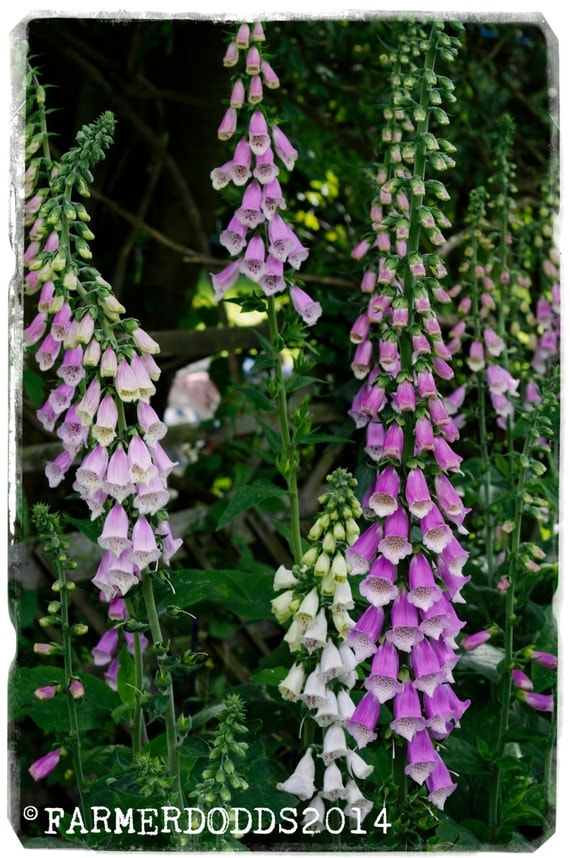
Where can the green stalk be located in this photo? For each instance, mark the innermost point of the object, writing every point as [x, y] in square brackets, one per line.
[74, 734]
[170, 715]
[288, 448]
[510, 620]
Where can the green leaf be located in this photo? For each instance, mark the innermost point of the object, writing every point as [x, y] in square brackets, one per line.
[85, 526]
[51, 715]
[460, 756]
[248, 497]
[485, 660]
[126, 678]
[273, 438]
[269, 675]
[246, 594]
[257, 398]
[297, 382]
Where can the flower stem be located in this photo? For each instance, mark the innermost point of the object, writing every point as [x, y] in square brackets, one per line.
[288, 450]
[510, 620]
[170, 715]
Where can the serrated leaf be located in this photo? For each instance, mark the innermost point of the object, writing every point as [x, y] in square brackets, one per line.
[248, 497]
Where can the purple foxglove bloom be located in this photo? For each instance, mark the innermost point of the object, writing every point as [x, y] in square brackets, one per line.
[493, 342]
[41, 768]
[125, 382]
[360, 329]
[405, 399]
[448, 499]
[439, 784]
[405, 631]
[393, 442]
[476, 359]
[117, 609]
[255, 89]
[436, 533]
[372, 399]
[384, 498]
[46, 692]
[501, 381]
[438, 412]
[302, 782]
[233, 237]
[259, 139]
[253, 262]
[105, 428]
[154, 428]
[231, 55]
[426, 384]
[239, 169]
[422, 758]
[421, 301]
[253, 61]
[48, 352]
[362, 724]
[437, 618]
[238, 95]
[144, 549]
[119, 574]
[540, 702]
[309, 310]
[408, 718]
[423, 591]
[423, 433]
[420, 344]
[455, 556]
[427, 671]
[298, 254]
[151, 496]
[368, 282]
[72, 433]
[162, 460]
[363, 636]
[442, 369]
[139, 366]
[272, 199]
[114, 536]
[471, 642]
[389, 355]
[118, 482]
[360, 250]
[266, 170]
[445, 457]
[418, 495]
[104, 651]
[92, 353]
[61, 398]
[47, 416]
[272, 281]
[382, 681]
[521, 680]
[360, 554]
[362, 359]
[374, 446]
[448, 657]
[90, 476]
[111, 673]
[270, 79]
[227, 126]
[285, 150]
[334, 744]
[55, 471]
[546, 659]
[281, 238]
[395, 544]
[35, 330]
[76, 689]
[108, 364]
[46, 296]
[221, 176]
[85, 330]
[170, 545]
[378, 587]
[249, 213]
